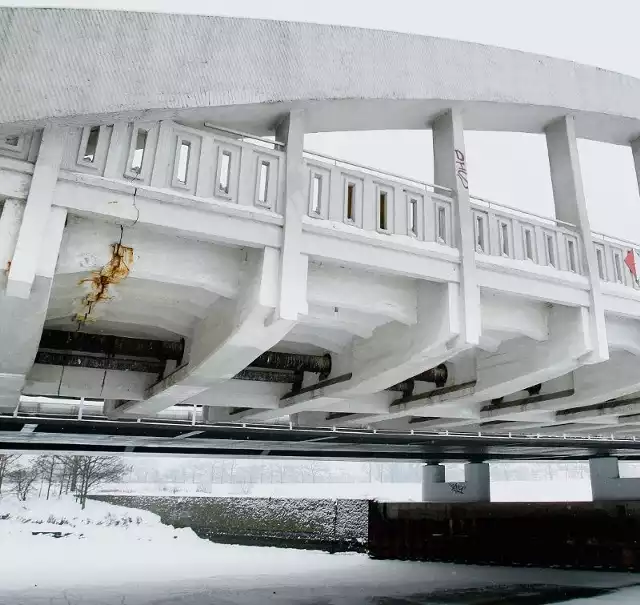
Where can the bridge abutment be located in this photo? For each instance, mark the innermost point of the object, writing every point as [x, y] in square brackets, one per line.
[474, 488]
[606, 483]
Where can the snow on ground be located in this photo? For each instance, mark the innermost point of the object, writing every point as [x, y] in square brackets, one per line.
[570, 490]
[630, 596]
[573, 490]
[108, 542]
[116, 556]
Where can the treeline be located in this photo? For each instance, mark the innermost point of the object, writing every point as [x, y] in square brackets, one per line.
[205, 473]
[53, 475]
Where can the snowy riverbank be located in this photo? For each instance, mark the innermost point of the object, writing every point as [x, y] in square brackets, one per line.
[115, 556]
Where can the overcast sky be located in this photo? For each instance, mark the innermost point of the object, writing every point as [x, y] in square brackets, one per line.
[588, 31]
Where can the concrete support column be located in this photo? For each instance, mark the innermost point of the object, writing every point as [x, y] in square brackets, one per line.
[293, 265]
[450, 170]
[22, 319]
[635, 150]
[571, 207]
[36, 214]
[10, 221]
[476, 486]
[606, 483]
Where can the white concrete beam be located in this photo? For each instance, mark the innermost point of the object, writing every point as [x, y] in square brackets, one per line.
[606, 484]
[592, 384]
[517, 365]
[292, 291]
[241, 394]
[509, 316]
[391, 297]
[450, 170]
[571, 207]
[52, 380]
[447, 402]
[445, 424]
[466, 425]
[476, 486]
[87, 247]
[168, 212]
[366, 404]
[189, 300]
[10, 220]
[15, 178]
[324, 338]
[346, 320]
[33, 226]
[392, 354]
[228, 340]
[595, 384]
[623, 335]
[22, 319]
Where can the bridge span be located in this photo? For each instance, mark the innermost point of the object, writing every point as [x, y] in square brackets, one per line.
[94, 434]
[171, 252]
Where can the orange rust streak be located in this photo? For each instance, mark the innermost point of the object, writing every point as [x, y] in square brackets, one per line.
[113, 272]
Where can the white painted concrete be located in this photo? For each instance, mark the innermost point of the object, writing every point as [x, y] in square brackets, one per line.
[293, 264]
[476, 486]
[10, 221]
[395, 70]
[571, 207]
[606, 483]
[227, 340]
[36, 214]
[389, 275]
[450, 170]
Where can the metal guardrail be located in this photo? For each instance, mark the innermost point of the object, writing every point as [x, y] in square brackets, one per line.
[490, 204]
[611, 239]
[285, 427]
[272, 143]
[418, 184]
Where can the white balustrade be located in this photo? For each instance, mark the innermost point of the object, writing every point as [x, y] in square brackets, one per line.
[512, 233]
[223, 165]
[610, 258]
[22, 147]
[373, 200]
[186, 160]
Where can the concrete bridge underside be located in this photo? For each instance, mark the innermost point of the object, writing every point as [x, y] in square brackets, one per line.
[170, 252]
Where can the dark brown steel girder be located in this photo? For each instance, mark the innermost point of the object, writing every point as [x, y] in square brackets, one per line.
[271, 360]
[76, 360]
[81, 342]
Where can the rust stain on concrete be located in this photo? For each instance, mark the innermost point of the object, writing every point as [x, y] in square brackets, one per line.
[113, 272]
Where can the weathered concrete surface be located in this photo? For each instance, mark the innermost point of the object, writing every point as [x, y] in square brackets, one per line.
[193, 62]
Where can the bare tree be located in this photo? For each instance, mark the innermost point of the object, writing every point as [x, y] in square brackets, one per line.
[95, 470]
[23, 479]
[70, 473]
[8, 463]
[47, 466]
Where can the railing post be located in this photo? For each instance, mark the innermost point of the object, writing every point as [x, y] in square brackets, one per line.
[571, 207]
[293, 264]
[336, 195]
[450, 170]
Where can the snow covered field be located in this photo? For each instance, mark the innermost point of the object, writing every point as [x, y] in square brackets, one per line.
[119, 556]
